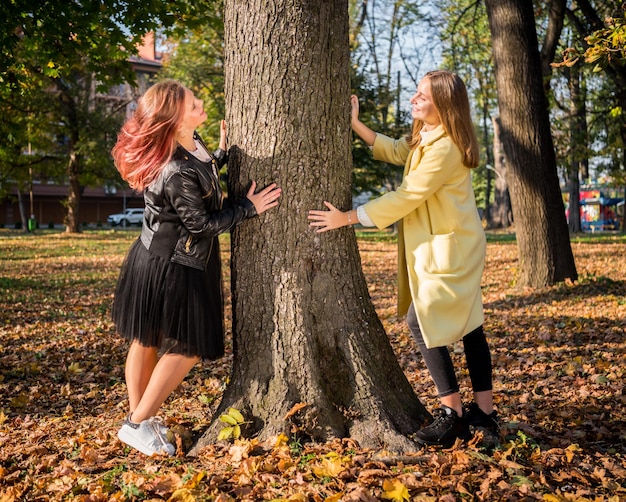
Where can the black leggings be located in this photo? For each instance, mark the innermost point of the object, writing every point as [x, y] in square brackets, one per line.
[439, 363]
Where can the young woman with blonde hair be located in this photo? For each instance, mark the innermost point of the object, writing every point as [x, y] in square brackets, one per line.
[441, 246]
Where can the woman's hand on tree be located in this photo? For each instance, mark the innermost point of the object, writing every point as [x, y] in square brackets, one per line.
[354, 109]
[265, 199]
[223, 135]
[327, 220]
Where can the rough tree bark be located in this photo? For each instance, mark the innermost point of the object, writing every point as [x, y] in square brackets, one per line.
[545, 252]
[304, 328]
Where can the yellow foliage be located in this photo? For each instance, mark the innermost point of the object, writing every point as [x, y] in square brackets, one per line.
[236, 414]
[234, 419]
[393, 489]
[227, 419]
[547, 497]
[74, 368]
[194, 481]
[334, 498]
[182, 495]
[281, 441]
[229, 432]
[571, 451]
[233, 414]
[328, 467]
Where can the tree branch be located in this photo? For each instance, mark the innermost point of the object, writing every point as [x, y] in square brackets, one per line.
[556, 18]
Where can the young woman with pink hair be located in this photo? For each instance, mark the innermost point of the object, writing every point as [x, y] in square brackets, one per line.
[168, 299]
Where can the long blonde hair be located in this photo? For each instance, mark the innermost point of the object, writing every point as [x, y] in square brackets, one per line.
[450, 98]
[148, 139]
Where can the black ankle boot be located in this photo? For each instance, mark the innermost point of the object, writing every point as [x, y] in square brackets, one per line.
[479, 420]
[445, 429]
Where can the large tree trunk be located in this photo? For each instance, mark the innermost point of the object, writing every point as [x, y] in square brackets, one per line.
[304, 328]
[545, 252]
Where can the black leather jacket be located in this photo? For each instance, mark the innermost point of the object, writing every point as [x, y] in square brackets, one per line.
[183, 209]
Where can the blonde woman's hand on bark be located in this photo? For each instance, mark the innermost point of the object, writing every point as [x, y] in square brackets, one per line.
[360, 129]
[354, 106]
[328, 220]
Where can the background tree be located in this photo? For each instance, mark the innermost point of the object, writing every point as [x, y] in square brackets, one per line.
[569, 120]
[579, 141]
[195, 57]
[501, 212]
[86, 129]
[24, 154]
[601, 28]
[576, 112]
[304, 329]
[65, 53]
[466, 50]
[386, 62]
[543, 240]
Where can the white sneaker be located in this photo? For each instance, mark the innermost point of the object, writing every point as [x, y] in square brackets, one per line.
[148, 437]
[158, 421]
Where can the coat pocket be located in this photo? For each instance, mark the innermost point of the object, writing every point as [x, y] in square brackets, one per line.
[438, 254]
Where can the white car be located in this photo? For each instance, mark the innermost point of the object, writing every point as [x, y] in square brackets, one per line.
[132, 216]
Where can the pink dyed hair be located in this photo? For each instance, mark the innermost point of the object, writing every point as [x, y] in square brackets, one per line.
[148, 139]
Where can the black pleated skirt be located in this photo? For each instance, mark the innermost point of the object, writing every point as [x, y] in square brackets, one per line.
[176, 308]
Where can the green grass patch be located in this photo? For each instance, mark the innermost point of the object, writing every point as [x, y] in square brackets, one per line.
[16, 245]
[53, 244]
[376, 235]
[599, 238]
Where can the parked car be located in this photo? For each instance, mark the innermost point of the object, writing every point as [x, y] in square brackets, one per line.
[132, 216]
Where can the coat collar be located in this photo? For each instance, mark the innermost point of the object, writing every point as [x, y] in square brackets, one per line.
[432, 136]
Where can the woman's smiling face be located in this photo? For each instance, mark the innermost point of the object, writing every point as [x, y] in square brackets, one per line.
[423, 107]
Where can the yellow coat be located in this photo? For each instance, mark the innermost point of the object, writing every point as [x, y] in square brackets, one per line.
[441, 241]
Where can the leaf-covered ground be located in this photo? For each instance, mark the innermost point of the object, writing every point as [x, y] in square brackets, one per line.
[559, 357]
